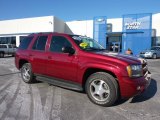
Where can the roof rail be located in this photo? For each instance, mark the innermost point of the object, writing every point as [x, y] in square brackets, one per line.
[42, 33]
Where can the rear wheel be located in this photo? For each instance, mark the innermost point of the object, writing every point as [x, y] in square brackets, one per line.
[154, 56]
[1, 55]
[102, 89]
[26, 73]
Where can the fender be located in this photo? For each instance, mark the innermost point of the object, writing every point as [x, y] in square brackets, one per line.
[106, 67]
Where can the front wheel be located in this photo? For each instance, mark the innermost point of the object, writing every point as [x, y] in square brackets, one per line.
[154, 56]
[102, 89]
[26, 73]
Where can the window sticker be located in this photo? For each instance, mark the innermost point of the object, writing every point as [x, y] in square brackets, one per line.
[83, 45]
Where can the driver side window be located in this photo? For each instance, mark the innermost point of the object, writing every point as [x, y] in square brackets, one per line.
[58, 42]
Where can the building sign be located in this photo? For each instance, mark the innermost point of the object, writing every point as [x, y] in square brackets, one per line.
[132, 25]
[100, 30]
[100, 20]
[137, 31]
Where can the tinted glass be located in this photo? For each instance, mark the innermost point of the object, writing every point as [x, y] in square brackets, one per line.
[13, 41]
[40, 43]
[8, 40]
[3, 46]
[22, 37]
[86, 43]
[58, 42]
[10, 46]
[25, 42]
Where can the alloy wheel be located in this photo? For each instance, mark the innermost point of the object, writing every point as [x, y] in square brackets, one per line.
[26, 73]
[99, 90]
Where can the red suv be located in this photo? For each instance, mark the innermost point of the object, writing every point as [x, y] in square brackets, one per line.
[80, 63]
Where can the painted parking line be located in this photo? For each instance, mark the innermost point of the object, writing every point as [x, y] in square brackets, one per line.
[11, 95]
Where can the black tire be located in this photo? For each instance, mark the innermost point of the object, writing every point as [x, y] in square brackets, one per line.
[108, 94]
[1, 55]
[154, 56]
[26, 73]
[13, 55]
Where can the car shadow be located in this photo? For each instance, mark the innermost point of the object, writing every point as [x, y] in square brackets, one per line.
[120, 101]
[148, 94]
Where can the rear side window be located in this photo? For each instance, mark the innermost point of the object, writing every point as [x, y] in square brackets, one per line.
[3, 46]
[158, 48]
[25, 43]
[40, 43]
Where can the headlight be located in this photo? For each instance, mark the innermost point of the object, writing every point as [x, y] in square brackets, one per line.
[135, 70]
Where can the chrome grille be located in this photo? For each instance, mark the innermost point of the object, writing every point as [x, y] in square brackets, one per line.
[145, 68]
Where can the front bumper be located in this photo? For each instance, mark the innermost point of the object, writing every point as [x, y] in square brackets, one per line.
[146, 55]
[131, 87]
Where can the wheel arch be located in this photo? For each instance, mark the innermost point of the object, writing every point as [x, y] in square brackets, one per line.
[154, 56]
[22, 62]
[2, 52]
[92, 70]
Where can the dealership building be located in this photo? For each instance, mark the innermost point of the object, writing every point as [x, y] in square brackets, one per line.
[134, 31]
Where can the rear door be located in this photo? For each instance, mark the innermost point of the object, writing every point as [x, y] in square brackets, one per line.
[61, 65]
[38, 55]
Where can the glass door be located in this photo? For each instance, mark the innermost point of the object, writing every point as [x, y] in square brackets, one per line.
[114, 46]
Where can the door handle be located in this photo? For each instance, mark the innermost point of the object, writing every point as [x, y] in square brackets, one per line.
[30, 55]
[50, 57]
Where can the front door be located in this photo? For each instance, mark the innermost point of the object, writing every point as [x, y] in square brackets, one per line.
[114, 46]
[61, 65]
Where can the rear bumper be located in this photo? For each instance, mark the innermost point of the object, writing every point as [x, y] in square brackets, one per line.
[132, 87]
[17, 61]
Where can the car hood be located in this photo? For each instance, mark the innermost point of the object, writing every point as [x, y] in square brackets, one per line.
[122, 57]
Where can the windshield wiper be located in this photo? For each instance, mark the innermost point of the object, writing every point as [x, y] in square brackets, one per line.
[92, 48]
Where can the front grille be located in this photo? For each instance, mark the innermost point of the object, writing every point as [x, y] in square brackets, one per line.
[145, 68]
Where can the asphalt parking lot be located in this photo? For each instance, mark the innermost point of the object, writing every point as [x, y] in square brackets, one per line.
[41, 101]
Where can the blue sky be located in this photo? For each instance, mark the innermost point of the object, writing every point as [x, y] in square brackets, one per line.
[69, 10]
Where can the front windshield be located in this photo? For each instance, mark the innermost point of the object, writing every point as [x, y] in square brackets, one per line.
[86, 43]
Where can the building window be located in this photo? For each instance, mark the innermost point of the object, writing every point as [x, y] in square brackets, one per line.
[3, 40]
[13, 40]
[153, 41]
[114, 41]
[158, 41]
[109, 28]
[8, 40]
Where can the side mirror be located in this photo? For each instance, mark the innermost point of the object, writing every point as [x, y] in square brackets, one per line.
[69, 50]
